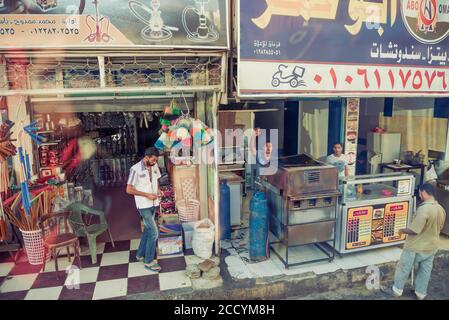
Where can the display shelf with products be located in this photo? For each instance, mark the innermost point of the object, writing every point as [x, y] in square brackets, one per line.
[91, 149]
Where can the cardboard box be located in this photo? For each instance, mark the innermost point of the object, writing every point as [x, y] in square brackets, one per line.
[187, 233]
[169, 245]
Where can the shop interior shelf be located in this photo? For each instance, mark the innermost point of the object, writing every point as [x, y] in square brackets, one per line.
[53, 143]
[375, 193]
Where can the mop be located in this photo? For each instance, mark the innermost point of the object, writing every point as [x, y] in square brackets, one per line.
[25, 175]
[3, 226]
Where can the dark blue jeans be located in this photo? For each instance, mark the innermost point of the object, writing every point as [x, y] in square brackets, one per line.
[147, 246]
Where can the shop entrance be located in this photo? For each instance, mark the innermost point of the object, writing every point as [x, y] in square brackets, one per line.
[95, 148]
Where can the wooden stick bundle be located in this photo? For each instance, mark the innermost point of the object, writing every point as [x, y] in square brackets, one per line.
[3, 226]
[40, 206]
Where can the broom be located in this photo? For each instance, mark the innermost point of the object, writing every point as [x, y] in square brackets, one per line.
[3, 226]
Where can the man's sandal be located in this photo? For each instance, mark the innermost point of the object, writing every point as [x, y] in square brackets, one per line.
[154, 267]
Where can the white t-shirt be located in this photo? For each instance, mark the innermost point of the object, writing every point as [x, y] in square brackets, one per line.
[144, 180]
[339, 162]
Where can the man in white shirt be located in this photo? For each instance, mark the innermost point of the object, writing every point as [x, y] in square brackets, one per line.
[143, 184]
[339, 160]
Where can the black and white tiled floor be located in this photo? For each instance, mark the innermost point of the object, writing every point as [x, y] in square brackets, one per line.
[116, 274]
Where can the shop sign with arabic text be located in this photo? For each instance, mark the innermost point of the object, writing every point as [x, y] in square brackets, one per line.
[343, 47]
[113, 23]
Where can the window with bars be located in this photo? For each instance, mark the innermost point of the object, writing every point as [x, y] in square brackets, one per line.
[36, 73]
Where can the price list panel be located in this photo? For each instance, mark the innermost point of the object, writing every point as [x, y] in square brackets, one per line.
[395, 219]
[373, 225]
[358, 227]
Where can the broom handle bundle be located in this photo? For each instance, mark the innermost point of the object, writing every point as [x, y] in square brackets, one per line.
[3, 228]
[4, 177]
[40, 206]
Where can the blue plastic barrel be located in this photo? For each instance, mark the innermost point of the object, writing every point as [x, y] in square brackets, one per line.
[225, 210]
[258, 227]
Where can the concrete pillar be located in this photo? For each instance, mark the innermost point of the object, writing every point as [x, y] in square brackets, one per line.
[19, 113]
[202, 166]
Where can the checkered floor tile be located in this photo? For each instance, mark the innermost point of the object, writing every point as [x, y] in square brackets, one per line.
[116, 273]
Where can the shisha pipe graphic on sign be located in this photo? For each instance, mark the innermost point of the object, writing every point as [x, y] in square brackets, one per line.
[155, 29]
[96, 26]
[203, 33]
[321, 9]
[46, 5]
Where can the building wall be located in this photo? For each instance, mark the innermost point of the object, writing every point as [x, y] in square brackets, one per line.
[412, 117]
[272, 120]
[313, 128]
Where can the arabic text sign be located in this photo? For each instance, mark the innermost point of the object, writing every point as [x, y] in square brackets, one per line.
[113, 23]
[356, 47]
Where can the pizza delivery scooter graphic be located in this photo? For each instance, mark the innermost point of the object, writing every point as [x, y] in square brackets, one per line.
[292, 75]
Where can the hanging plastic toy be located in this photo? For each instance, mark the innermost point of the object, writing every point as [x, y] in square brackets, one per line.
[31, 130]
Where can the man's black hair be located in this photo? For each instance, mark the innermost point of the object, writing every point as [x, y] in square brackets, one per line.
[339, 143]
[151, 151]
[428, 188]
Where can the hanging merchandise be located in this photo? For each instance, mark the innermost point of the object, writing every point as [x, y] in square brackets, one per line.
[202, 135]
[7, 149]
[31, 130]
[24, 176]
[179, 127]
[171, 115]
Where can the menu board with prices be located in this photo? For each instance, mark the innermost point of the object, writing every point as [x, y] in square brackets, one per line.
[358, 229]
[376, 224]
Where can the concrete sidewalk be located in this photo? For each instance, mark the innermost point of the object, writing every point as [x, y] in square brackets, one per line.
[303, 285]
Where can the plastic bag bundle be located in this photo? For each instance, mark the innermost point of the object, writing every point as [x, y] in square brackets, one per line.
[203, 238]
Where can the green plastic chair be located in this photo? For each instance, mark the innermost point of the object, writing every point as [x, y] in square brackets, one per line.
[79, 214]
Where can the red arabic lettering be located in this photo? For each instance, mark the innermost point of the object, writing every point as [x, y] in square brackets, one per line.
[334, 77]
[391, 75]
[442, 75]
[407, 77]
[363, 72]
[417, 76]
[430, 78]
[378, 80]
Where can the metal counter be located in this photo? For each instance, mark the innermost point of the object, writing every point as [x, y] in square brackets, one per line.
[372, 216]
